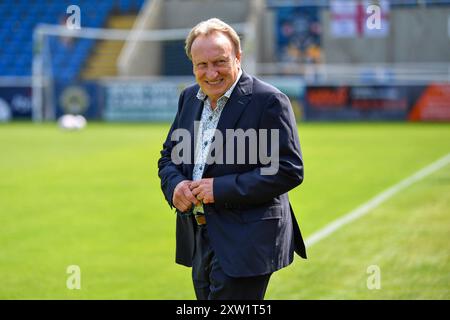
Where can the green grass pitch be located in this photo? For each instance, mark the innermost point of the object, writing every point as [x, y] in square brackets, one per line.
[92, 199]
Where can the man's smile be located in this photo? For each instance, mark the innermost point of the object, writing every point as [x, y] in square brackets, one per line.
[214, 83]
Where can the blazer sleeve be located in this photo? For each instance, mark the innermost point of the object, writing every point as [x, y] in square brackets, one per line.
[253, 187]
[170, 173]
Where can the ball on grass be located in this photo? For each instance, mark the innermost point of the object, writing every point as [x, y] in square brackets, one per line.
[72, 122]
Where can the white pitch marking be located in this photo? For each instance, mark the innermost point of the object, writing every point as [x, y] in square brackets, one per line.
[376, 201]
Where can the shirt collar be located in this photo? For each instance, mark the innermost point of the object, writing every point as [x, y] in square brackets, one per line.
[202, 96]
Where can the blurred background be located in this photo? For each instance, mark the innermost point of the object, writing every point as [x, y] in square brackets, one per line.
[369, 83]
[337, 60]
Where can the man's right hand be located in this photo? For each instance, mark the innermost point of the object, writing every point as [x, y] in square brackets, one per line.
[182, 196]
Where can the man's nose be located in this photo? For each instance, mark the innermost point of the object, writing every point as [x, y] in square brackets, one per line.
[211, 73]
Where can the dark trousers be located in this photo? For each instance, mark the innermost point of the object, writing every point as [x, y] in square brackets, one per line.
[211, 282]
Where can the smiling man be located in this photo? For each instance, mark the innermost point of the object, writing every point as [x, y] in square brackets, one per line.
[217, 63]
[235, 225]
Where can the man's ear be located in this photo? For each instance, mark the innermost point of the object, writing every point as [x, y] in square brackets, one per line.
[239, 57]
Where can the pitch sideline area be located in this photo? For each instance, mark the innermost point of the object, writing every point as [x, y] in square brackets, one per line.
[404, 239]
[376, 201]
[92, 199]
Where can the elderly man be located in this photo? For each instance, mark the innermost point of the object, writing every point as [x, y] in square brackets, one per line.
[235, 225]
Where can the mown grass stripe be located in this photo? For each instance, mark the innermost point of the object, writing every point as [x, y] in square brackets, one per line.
[368, 206]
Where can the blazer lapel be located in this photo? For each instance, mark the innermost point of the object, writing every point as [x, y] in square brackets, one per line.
[196, 107]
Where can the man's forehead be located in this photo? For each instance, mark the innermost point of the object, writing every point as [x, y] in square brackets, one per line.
[215, 40]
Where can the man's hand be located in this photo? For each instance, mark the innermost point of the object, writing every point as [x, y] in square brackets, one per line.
[183, 197]
[203, 190]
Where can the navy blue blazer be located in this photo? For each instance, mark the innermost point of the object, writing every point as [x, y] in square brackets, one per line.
[251, 225]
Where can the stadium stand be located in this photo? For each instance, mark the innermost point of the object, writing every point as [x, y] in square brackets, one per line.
[19, 18]
[70, 60]
[322, 53]
[102, 62]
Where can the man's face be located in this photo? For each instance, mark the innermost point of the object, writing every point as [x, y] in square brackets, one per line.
[216, 64]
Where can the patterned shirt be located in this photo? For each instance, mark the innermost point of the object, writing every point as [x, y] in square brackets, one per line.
[208, 123]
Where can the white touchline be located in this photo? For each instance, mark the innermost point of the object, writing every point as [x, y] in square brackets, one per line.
[376, 201]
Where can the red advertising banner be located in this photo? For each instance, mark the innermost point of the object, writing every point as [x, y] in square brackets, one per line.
[432, 105]
[378, 102]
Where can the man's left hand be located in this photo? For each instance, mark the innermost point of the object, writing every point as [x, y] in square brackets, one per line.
[203, 190]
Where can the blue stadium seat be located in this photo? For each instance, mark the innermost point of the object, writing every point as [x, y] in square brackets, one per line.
[123, 5]
[126, 6]
[3, 65]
